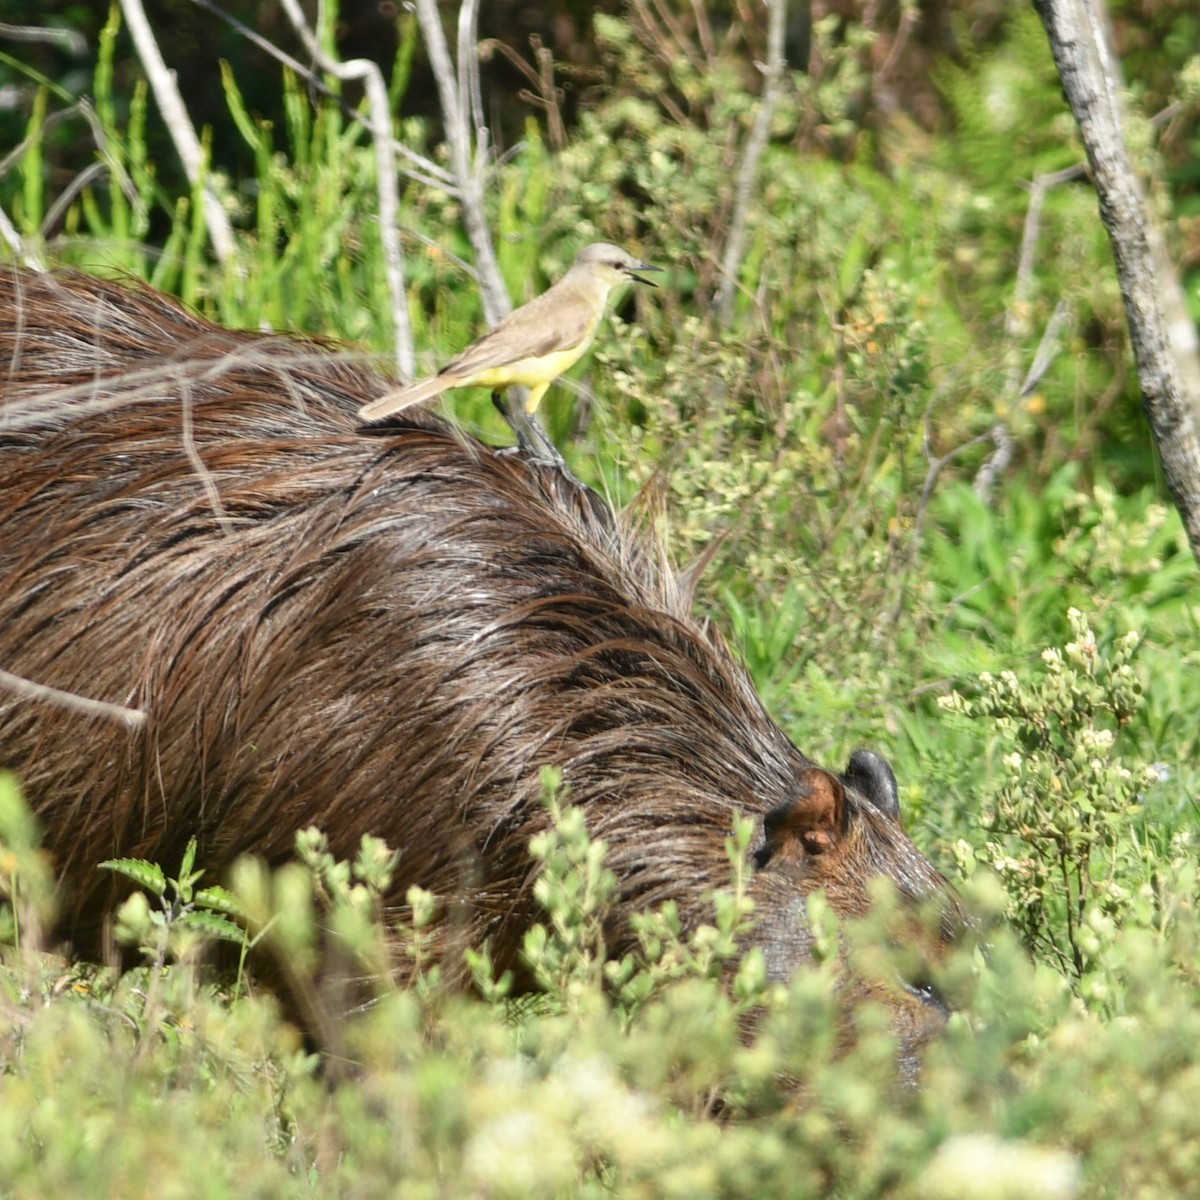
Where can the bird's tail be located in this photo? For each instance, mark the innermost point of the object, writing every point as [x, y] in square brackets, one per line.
[405, 397]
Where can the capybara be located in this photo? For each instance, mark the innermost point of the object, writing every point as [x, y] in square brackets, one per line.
[385, 630]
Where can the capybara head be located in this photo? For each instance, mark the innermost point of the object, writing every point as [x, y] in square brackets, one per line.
[388, 632]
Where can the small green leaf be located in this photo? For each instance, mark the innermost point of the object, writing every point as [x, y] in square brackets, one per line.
[145, 874]
[219, 900]
[212, 925]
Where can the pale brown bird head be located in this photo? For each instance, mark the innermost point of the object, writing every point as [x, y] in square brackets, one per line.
[613, 265]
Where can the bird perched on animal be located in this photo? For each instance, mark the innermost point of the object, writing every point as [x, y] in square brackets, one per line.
[535, 343]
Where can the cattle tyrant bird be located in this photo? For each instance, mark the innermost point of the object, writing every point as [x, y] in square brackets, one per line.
[531, 347]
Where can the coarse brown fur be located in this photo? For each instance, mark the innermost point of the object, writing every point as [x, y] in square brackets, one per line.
[387, 632]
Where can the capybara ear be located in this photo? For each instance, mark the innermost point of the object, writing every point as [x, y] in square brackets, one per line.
[811, 822]
[871, 775]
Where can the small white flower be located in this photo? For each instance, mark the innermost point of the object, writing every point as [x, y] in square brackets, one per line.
[981, 1166]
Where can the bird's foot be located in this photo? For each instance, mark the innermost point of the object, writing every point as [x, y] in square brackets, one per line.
[533, 442]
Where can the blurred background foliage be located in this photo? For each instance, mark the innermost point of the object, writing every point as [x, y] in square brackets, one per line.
[896, 519]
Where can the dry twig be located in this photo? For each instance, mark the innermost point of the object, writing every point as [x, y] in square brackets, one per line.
[134, 718]
[385, 168]
[735, 243]
[543, 92]
[71, 40]
[458, 93]
[419, 168]
[179, 124]
[1016, 327]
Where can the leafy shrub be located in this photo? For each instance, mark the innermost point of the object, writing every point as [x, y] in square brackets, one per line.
[658, 1091]
[1064, 819]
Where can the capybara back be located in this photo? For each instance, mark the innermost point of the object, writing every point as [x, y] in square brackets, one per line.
[388, 632]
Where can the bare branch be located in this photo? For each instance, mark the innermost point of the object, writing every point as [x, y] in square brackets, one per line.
[49, 122]
[467, 173]
[70, 40]
[105, 393]
[550, 93]
[63, 200]
[8, 231]
[910, 15]
[179, 124]
[544, 92]
[385, 168]
[704, 30]
[1016, 326]
[735, 243]
[134, 718]
[998, 463]
[1168, 371]
[420, 169]
[469, 85]
[1047, 350]
[1013, 320]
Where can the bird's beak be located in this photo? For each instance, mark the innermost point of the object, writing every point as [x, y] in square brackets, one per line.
[632, 272]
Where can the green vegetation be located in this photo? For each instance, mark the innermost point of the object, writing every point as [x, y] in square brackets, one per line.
[1019, 637]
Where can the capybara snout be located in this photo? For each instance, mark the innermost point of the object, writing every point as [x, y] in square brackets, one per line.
[387, 633]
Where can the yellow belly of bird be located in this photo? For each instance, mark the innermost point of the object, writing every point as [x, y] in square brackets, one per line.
[537, 374]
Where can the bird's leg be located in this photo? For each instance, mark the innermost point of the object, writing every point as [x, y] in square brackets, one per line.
[533, 441]
[531, 438]
[501, 404]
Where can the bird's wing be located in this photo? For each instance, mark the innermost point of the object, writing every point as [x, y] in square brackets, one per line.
[545, 325]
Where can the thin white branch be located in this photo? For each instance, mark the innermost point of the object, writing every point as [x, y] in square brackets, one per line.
[469, 84]
[134, 718]
[1015, 322]
[469, 175]
[735, 243]
[998, 463]
[70, 40]
[1047, 350]
[179, 124]
[64, 199]
[1016, 327]
[8, 231]
[380, 125]
[49, 122]
[421, 169]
